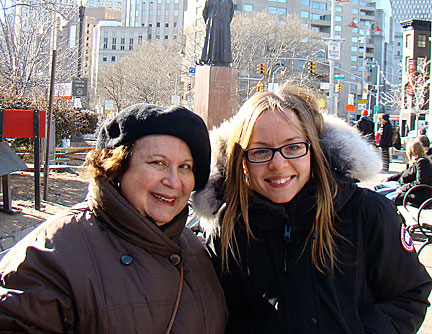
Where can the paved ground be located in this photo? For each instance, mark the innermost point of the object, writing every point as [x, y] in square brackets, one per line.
[425, 255]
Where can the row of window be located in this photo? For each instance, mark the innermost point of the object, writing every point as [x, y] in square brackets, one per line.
[158, 12]
[421, 41]
[105, 42]
[156, 1]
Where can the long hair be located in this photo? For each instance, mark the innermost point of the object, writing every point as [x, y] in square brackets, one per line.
[415, 150]
[305, 106]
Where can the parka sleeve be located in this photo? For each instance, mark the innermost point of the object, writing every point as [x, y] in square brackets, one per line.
[399, 282]
[33, 293]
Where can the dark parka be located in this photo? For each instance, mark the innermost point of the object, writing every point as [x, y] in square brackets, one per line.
[101, 267]
[387, 135]
[378, 285]
[366, 128]
[420, 172]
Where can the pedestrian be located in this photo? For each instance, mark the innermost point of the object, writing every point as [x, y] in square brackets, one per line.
[122, 261]
[299, 247]
[419, 172]
[386, 141]
[424, 140]
[366, 126]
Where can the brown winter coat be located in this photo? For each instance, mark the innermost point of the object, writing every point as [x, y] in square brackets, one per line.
[71, 275]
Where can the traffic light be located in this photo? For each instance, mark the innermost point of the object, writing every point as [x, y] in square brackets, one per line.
[312, 68]
[262, 68]
[339, 88]
[189, 86]
[259, 87]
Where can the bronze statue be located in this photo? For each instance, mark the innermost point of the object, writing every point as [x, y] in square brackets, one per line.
[217, 45]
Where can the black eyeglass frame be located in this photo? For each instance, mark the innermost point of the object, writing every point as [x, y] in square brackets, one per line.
[274, 150]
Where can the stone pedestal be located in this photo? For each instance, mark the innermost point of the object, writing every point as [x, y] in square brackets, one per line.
[215, 93]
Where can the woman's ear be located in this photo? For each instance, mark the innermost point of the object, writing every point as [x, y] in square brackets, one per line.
[245, 172]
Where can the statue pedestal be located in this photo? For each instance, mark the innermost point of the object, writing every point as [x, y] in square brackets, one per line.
[215, 93]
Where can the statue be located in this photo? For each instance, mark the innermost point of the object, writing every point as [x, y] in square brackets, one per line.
[217, 45]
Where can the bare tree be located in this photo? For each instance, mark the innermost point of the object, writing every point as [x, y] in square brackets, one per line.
[150, 75]
[26, 36]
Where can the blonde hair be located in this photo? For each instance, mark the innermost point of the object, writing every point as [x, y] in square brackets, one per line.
[415, 150]
[305, 106]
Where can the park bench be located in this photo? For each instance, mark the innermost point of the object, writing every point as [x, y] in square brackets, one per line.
[418, 218]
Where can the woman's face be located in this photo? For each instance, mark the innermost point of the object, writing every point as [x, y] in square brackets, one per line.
[280, 179]
[159, 179]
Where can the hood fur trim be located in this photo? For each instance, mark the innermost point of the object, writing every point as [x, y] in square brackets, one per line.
[349, 154]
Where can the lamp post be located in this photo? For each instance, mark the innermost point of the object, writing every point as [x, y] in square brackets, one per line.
[81, 6]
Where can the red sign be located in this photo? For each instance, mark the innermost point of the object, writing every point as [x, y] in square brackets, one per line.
[350, 107]
[394, 117]
[19, 123]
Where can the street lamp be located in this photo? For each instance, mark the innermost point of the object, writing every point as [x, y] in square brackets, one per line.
[373, 27]
[81, 6]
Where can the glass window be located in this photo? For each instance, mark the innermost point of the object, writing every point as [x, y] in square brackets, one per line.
[338, 18]
[247, 7]
[112, 58]
[338, 9]
[105, 43]
[355, 30]
[338, 28]
[354, 49]
[421, 41]
[304, 14]
[166, 36]
[354, 39]
[305, 2]
[318, 5]
[281, 11]
[114, 43]
[131, 42]
[104, 58]
[355, 11]
[353, 58]
[338, 36]
[408, 41]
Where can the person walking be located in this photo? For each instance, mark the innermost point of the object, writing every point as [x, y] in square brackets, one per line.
[386, 141]
[366, 126]
[299, 246]
[122, 261]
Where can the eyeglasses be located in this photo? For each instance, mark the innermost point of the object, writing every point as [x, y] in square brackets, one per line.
[265, 154]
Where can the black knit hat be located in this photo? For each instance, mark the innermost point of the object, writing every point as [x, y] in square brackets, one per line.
[143, 119]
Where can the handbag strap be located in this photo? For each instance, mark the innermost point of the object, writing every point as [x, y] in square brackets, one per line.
[171, 323]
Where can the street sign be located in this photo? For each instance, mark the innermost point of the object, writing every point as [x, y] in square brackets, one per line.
[376, 109]
[371, 63]
[109, 105]
[339, 76]
[361, 101]
[325, 85]
[361, 106]
[333, 50]
[79, 87]
[192, 70]
[349, 107]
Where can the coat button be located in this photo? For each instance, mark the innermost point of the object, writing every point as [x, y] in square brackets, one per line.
[174, 259]
[313, 321]
[126, 259]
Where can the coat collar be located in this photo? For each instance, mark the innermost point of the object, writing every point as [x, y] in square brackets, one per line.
[112, 209]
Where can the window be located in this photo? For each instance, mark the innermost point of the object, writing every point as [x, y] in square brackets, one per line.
[112, 58]
[114, 43]
[158, 24]
[175, 24]
[104, 59]
[318, 5]
[166, 37]
[105, 43]
[354, 39]
[282, 1]
[355, 30]
[338, 9]
[157, 37]
[131, 42]
[122, 43]
[421, 41]
[140, 39]
[355, 11]
[166, 25]
[338, 28]
[353, 58]
[247, 7]
[305, 2]
[408, 41]
[304, 14]
[354, 49]
[338, 18]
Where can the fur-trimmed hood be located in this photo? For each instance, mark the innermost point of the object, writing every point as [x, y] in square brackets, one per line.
[349, 154]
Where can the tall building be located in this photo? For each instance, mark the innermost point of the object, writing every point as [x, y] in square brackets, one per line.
[163, 18]
[411, 9]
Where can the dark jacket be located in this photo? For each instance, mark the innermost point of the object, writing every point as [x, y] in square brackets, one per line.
[366, 128]
[101, 267]
[420, 172]
[275, 288]
[386, 136]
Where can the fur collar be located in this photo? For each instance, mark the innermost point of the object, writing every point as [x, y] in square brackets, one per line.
[349, 154]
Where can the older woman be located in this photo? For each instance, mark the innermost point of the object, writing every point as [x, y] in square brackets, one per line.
[122, 261]
[302, 248]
